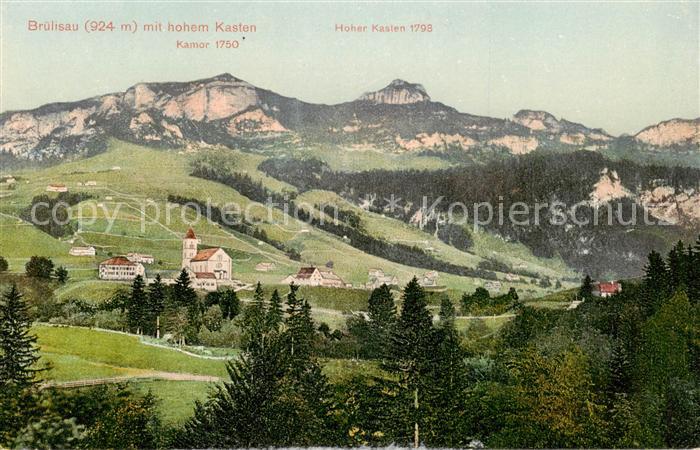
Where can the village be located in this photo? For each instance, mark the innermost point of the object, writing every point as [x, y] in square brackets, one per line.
[210, 269]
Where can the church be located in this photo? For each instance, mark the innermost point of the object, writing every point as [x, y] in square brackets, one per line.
[208, 268]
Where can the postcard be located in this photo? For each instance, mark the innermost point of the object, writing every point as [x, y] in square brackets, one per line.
[291, 224]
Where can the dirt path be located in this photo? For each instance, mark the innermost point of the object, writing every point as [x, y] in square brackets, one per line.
[154, 375]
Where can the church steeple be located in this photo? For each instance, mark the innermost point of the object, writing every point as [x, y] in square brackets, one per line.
[189, 247]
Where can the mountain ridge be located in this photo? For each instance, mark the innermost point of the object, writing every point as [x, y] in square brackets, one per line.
[227, 110]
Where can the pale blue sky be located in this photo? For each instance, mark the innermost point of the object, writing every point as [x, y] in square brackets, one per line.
[619, 66]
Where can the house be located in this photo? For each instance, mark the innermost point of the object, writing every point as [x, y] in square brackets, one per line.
[493, 285]
[82, 251]
[140, 258]
[429, 279]
[120, 268]
[56, 187]
[606, 288]
[313, 276]
[377, 277]
[91, 183]
[512, 277]
[265, 266]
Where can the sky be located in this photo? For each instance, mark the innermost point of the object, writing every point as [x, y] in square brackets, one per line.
[620, 66]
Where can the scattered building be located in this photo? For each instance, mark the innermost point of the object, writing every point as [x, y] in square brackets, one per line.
[265, 266]
[120, 268]
[82, 251]
[377, 277]
[9, 179]
[429, 279]
[313, 276]
[493, 286]
[512, 277]
[91, 183]
[606, 288]
[56, 187]
[140, 258]
[116, 168]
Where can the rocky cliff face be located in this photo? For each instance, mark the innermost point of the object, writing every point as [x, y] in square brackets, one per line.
[226, 110]
[398, 92]
[680, 132]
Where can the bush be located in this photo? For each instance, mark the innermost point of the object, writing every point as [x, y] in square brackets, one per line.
[228, 336]
[39, 267]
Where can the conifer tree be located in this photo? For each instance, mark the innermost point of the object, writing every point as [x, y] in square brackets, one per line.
[156, 304]
[137, 306]
[678, 266]
[411, 357]
[275, 314]
[254, 320]
[182, 293]
[656, 283]
[229, 303]
[382, 316]
[586, 290]
[447, 312]
[61, 274]
[18, 353]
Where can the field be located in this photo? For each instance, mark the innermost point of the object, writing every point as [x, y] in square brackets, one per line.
[128, 211]
[74, 353]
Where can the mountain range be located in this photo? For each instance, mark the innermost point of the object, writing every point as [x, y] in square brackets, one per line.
[226, 110]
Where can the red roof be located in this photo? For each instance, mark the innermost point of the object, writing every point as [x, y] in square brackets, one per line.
[190, 234]
[206, 254]
[118, 261]
[204, 275]
[607, 287]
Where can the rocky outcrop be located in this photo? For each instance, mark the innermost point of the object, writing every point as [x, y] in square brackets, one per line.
[608, 188]
[227, 110]
[672, 132]
[398, 92]
[570, 133]
[677, 207]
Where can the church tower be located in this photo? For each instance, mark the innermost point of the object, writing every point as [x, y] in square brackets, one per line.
[189, 247]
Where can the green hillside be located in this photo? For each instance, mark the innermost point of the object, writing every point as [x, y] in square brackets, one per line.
[128, 211]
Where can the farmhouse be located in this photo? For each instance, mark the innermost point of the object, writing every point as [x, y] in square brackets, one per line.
[606, 288]
[313, 276]
[429, 279]
[56, 187]
[82, 251]
[120, 268]
[140, 258]
[265, 266]
[377, 277]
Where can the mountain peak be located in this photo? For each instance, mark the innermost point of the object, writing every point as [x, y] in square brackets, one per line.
[398, 92]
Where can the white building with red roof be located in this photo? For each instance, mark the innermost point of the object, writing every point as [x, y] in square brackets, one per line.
[120, 268]
[606, 288]
[209, 267]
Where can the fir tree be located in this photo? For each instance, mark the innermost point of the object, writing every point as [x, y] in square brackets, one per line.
[156, 304]
[381, 307]
[275, 315]
[61, 274]
[136, 313]
[586, 290]
[656, 283]
[411, 358]
[182, 293]
[254, 320]
[17, 346]
[678, 266]
[447, 312]
[229, 303]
